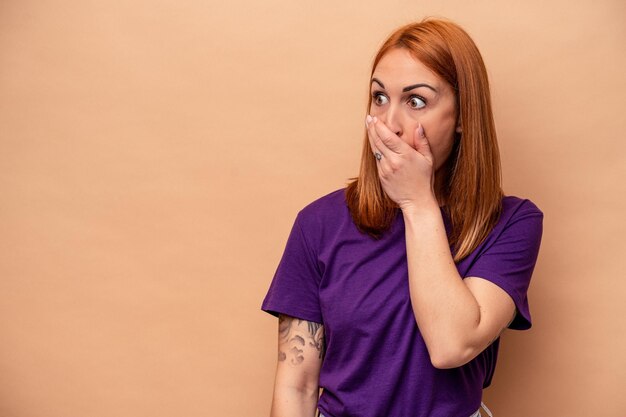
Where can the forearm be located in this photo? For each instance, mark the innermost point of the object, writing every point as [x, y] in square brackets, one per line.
[294, 402]
[446, 312]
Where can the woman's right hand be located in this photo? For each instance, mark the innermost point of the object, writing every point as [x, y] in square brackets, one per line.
[300, 353]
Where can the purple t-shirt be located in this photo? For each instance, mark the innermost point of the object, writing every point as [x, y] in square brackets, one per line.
[376, 363]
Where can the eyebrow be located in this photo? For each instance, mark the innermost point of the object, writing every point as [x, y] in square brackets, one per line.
[405, 89]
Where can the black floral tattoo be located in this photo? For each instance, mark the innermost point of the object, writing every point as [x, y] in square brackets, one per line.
[293, 339]
[317, 332]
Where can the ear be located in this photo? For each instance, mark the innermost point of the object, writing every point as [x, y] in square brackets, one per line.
[459, 129]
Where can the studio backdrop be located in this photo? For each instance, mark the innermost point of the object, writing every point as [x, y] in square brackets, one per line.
[154, 154]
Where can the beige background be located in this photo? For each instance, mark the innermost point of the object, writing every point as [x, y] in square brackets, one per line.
[153, 156]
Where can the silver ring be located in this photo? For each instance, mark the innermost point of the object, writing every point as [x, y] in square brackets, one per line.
[378, 156]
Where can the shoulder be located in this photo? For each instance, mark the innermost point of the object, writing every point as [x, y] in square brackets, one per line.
[520, 222]
[322, 220]
[331, 207]
[327, 203]
[515, 209]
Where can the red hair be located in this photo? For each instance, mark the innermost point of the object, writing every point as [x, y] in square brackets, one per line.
[472, 190]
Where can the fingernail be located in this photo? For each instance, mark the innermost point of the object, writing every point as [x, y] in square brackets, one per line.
[420, 130]
[368, 119]
[375, 119]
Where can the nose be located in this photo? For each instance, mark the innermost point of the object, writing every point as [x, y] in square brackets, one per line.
[392, 119]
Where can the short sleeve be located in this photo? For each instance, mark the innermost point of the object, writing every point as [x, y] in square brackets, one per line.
[510, 259]
[294, 290]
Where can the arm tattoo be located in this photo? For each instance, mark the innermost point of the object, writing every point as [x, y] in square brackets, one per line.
[293, 338]
[316, 330]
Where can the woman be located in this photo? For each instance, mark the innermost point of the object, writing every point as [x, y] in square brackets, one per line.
[393, 292]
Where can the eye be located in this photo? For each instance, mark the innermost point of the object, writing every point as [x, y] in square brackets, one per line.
[416, 102]
[379, 98]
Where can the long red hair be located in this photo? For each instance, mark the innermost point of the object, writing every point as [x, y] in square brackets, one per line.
[472, 191]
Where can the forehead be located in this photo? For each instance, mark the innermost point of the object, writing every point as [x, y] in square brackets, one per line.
[399, 68]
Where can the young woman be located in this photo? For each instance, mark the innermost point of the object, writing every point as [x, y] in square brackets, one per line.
[392, 293]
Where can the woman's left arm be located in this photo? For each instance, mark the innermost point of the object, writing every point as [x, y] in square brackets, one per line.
[458, 318]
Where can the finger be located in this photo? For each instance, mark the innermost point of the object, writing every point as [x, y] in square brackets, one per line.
[369, 137]
[378, 147]
[422, 145]
[368, 119]
[388, 138]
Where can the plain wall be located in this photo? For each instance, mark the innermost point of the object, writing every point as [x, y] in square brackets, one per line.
[154, 154]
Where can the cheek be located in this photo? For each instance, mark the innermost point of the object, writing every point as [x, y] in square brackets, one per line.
[442, 153]
[440, 130]
[441, 141]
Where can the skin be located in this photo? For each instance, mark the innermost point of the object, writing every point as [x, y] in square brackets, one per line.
[458, 317]
[431, 105]
[300, 353]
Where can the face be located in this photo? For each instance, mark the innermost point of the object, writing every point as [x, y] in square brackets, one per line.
[406, 93]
